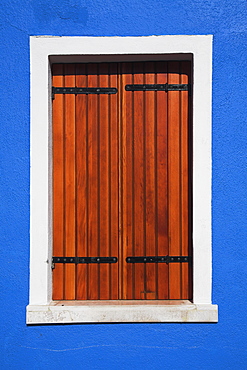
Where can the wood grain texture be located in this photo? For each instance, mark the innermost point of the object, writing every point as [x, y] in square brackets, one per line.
[93, 183]
[150, 122]
[185, 171]
[138, 180]
[58, 183]
[174, 180]
[104, 186]
[81, 182]
[70, 189]
[127, 169]
[113, 174]
[162, 181]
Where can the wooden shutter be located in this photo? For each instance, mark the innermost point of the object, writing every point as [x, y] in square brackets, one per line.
[121, 181]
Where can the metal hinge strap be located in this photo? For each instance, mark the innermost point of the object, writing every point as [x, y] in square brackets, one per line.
[84, 90]
[158, 259]
[77, 260]
[157, 87]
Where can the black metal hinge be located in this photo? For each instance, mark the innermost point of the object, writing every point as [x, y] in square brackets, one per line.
[157, 87]
[158, 259]
[77, 260]
[83, 90]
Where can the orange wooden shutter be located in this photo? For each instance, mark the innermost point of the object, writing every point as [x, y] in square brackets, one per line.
[121, 181]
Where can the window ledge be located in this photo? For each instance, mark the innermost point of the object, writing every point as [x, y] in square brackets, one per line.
[61, 312]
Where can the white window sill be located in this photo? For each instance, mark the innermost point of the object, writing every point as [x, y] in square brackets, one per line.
[65, 312]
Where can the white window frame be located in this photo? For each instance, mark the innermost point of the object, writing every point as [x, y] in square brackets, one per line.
[45, 50]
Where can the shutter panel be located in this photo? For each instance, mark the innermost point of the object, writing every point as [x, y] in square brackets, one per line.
[121, 181]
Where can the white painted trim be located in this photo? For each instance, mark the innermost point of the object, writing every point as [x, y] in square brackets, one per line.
[45, 48]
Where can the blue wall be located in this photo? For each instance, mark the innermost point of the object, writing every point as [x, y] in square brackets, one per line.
[147, 346]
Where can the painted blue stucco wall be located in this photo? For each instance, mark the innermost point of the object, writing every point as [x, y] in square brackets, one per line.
[124, 346]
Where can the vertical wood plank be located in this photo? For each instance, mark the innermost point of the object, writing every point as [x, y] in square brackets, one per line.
[174, 184]
[128, 204]
[81, 181]
[104, 190]
[184, 79]
[58, 182]
[162, 181]
[139, 181]
[70, 194]
[93, 184]
[150, 181]
[113, 173]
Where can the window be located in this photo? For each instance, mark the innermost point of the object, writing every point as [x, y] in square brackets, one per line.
[129, 140]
